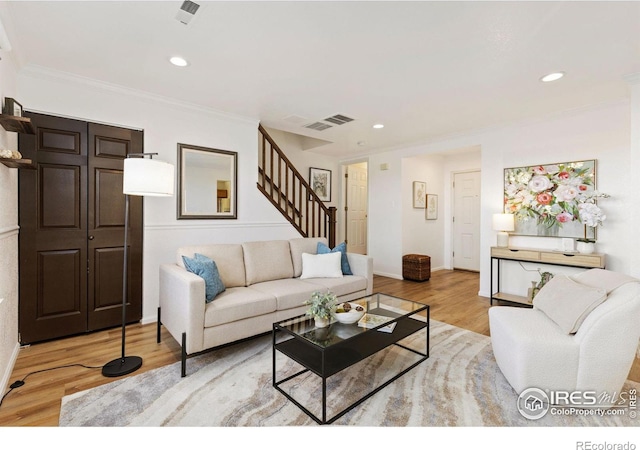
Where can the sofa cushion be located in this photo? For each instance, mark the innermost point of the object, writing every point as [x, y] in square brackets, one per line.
[339, 286]
[228, 257]
[289, 293]
[568, 302]
[300, 246]
[342, 249]
[321, 266]
[206, 269]
[236, 304]
[267, 260]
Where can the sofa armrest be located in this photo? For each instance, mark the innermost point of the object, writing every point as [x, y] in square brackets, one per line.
[362, 265]
[182, 303]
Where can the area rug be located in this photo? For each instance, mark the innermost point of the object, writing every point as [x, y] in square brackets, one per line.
[459, 385]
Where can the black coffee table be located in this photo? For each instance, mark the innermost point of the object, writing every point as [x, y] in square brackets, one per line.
[327, 351]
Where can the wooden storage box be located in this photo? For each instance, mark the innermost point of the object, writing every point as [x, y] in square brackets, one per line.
[416, 267]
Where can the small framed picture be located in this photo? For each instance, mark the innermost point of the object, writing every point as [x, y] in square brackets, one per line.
[432, 207]
[320, 182]
[12, 107]
[419, 192]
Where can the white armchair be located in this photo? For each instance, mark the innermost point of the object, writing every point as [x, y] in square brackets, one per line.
[533, 350]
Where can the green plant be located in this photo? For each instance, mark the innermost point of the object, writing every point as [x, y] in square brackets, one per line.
[321, 304]
[544, 279]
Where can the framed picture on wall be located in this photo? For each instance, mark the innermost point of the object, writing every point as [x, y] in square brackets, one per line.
[320, 182]
[432, 207]
[546, 199]
[419, 194]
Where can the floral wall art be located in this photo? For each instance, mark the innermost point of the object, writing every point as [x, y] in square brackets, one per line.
[554, 199]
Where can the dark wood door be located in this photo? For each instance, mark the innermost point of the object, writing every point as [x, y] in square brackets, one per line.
[108, 146]
[71, 216]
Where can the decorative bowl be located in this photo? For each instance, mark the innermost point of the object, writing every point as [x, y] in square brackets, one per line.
[351, 316]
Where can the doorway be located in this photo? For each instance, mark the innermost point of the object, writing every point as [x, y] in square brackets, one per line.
[356, 207]
[466, 220]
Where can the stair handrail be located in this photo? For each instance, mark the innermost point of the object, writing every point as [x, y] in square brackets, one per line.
[327, 214]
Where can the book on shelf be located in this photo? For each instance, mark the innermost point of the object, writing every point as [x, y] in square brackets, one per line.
[374, 320]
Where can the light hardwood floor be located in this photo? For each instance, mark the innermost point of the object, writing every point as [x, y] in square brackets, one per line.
[451, 294]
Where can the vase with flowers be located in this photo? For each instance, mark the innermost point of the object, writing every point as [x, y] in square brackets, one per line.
[591, 216]
[321, 308]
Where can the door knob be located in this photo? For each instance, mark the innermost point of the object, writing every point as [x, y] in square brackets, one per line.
[91, 238]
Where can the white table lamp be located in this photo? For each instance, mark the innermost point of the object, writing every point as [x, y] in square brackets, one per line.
[503, 223]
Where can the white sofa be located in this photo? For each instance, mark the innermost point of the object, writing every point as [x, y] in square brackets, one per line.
[263, 286]
[533, 350]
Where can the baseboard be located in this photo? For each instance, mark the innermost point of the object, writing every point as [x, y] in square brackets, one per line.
[388, 275]
[6, 376]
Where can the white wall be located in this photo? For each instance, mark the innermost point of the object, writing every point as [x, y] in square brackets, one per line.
[601, 133]
[8, 234]
[166, 124]
[419, 235]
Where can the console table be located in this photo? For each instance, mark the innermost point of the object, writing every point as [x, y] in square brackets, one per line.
[551, 257]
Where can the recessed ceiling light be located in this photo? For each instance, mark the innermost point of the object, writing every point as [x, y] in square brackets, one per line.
[378, 125]
[552, 77]
[178, 61]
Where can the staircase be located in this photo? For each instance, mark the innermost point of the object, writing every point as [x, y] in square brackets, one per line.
[291, 194]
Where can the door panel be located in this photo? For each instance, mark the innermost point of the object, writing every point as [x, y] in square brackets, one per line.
[59, 275]
[53, 230]
[357, 196]
[466, 225]
[108, 146]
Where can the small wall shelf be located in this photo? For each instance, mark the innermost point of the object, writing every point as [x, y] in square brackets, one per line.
[17, 163]
[550, 257]
[17, 124]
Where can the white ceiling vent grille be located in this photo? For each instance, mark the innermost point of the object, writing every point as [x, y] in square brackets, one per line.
[339, 119]
[187, 11]
[318, 126]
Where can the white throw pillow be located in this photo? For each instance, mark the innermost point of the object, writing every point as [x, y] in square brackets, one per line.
[327, 265]
[568, 302]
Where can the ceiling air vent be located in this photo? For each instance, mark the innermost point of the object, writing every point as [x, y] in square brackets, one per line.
[187, 11]
[339, 119]
[318, 126]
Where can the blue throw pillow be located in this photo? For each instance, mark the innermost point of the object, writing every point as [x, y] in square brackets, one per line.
[342, 248]
[207, 269]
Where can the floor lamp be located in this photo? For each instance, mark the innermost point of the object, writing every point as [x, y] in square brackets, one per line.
[142, 177]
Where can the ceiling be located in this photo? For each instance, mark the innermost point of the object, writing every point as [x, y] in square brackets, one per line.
[426, 70]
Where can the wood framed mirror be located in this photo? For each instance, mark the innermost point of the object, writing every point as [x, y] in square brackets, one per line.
[207, 183]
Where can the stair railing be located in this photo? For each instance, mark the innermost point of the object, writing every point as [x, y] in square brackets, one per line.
[291, 194]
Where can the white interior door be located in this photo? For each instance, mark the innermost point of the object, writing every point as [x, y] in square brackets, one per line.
[466, 221]
[356, 208]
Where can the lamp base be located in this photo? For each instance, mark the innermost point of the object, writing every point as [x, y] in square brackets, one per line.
[503, 239]
[122, 366]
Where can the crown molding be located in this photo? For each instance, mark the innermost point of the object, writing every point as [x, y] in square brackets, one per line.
[35, 71]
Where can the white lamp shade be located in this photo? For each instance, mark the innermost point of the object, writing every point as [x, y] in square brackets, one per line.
[503, 222]
[150, 177]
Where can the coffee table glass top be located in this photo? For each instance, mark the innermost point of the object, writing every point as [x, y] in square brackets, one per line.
[381, 311]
